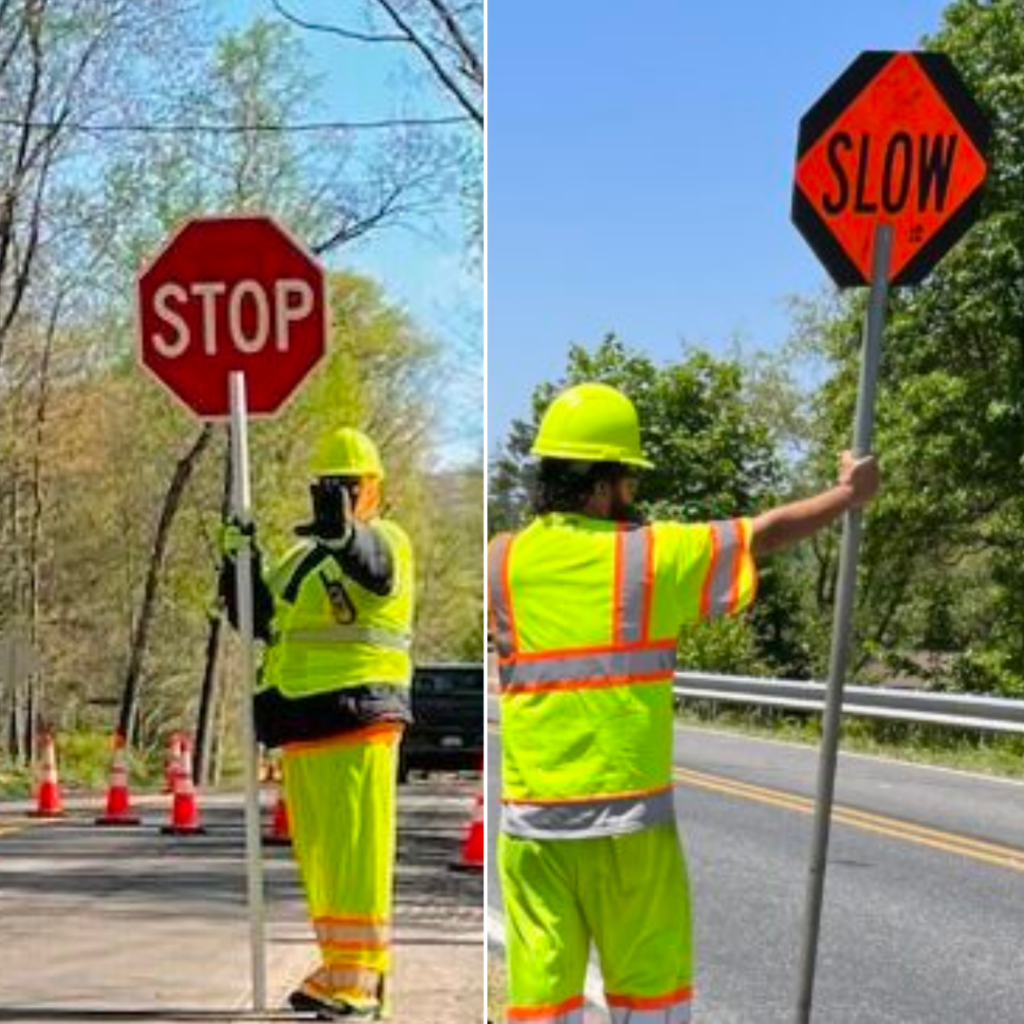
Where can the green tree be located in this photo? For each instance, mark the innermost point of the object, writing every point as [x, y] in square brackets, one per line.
[715, 454]
[941, 571]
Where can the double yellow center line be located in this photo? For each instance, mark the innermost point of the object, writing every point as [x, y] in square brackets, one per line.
[948, 842]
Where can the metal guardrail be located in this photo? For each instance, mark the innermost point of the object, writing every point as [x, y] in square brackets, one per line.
[966, 711]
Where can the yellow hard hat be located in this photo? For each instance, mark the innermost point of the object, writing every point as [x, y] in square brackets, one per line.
[347, 452]
[591, 423]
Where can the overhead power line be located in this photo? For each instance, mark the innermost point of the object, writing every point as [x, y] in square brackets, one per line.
[154, 128]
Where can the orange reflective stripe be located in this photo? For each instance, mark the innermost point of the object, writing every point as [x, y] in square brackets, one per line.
[619, 595]
[648, 583]
[705, 590]
[501, 594]
[681, 995]
[525, 657]
[661, 675]
[355, 945]
[592, 798]
[544, 1013]
[381, 732]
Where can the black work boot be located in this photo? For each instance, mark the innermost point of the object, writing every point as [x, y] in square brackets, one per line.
[330, 1009]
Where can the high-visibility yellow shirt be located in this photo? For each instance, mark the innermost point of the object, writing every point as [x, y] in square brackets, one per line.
[331, 632]
[586, 616]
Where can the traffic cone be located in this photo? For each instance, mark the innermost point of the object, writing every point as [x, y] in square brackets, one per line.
[48, 799]
[279, 834]
[184, 819]
[472, 856]
[174, 747]
[119, 801]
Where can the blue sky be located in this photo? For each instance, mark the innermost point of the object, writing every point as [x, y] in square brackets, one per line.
[423, 267]
[640, 160]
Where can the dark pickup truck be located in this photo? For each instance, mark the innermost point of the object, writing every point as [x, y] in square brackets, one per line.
[448, 707]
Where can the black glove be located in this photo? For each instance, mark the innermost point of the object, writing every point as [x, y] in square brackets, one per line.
[333, 519]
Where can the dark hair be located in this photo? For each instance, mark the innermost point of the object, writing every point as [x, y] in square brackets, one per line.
[564, 486]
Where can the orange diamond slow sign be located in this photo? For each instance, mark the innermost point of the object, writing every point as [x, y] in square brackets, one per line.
[897, 139]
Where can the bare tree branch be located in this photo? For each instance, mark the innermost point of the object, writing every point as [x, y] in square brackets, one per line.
[335, 30]
[442, 74]
[472, 65]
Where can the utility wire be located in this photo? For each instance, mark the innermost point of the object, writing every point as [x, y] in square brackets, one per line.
[154, 128]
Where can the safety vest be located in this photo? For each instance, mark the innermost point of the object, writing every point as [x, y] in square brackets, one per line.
[586, 615]
[329, 632]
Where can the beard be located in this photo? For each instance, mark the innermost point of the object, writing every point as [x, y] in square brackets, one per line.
[625, 511]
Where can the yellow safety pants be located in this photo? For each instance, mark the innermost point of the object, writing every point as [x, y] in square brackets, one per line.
[341, 806]
[629, 894]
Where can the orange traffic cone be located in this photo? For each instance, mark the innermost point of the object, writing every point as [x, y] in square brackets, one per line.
[48, 799]
[174, 748]
[472, 858]
[184, 819]
[279, 834]
[119, 801]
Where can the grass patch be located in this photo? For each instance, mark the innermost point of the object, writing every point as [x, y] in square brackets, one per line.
[83, 763]
[966, 749]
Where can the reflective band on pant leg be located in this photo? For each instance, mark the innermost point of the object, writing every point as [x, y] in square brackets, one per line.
[569, 1012]
[677, 1012]
[341, 802]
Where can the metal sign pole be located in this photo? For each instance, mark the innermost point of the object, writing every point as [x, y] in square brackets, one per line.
[841, 626]
[242, 510]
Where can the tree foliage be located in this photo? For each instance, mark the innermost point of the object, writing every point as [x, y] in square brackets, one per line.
[940, 580]
[110, 495]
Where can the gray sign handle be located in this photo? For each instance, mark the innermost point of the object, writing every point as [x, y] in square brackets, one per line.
[241, 502]
[863, 430]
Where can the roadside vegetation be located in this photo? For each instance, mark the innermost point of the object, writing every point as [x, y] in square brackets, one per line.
[940, 576]
[121, 121]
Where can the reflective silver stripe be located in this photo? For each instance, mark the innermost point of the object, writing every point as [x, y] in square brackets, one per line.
[556, 668]
[496, 589]
[631, 573]
[675, 1013]
[730, 550]
[350, 634]
[587, 819]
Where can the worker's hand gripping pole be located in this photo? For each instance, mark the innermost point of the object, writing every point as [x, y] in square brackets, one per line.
[845, 590]
[242, 511]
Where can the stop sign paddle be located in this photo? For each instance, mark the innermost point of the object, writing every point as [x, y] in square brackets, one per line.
[232, 316]
[231, 294]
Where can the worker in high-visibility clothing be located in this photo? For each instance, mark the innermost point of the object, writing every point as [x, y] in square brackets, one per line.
[586, 606]
[336, 617]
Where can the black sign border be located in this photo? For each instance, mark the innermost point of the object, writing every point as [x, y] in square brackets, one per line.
[951, 87]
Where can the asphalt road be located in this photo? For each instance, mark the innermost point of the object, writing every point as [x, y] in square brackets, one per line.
[924, 914]
[102, 924]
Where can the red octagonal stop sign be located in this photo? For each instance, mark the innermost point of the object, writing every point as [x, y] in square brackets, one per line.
[227, 294]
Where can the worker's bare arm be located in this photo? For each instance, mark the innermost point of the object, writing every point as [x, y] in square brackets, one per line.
[788, 524]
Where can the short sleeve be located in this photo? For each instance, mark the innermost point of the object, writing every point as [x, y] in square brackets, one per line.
[706, 570]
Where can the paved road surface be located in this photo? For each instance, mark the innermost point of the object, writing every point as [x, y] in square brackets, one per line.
[924, 918]
[112, 921]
